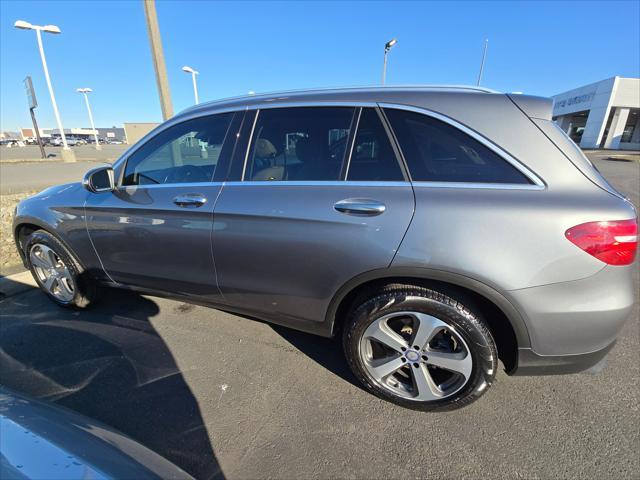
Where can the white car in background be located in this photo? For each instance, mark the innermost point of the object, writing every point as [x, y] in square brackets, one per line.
[71, 141]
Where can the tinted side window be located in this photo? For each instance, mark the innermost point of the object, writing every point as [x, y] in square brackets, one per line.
[187, 152]
[373, 157]
[437, 152]
[306, 143]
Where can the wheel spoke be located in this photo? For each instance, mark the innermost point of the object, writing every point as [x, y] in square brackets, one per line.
[454, 362]
[49, 283]
[380, 331]
[39, 261]
[427, 328]
[386, 366]
[51, 257]
[62, 271]
[64, 289]
[426, 388]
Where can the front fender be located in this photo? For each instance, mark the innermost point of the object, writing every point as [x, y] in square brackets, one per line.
[60, 211]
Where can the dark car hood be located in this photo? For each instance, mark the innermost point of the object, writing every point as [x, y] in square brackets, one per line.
[57, 189]
[43, 441]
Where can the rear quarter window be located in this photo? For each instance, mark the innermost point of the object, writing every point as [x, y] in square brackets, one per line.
[437, 152]
[573, 153]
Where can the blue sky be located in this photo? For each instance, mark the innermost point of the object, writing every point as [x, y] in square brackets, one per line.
[539, 47]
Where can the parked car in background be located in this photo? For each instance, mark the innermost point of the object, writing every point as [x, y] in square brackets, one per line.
[114, 141]
[434, 230]
[39, 440]
[71, 141]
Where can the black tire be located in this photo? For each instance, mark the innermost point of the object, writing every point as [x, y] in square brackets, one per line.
[84, 287]
[449, 308]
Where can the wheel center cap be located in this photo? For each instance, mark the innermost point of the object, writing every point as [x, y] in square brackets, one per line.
[412, 356]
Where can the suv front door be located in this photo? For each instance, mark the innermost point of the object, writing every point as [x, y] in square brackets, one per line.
[316, 205]
[154, 230]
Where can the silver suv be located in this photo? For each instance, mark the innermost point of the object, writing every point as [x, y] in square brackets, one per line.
[436, 230]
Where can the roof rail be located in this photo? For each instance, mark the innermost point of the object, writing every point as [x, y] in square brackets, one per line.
[426, 88]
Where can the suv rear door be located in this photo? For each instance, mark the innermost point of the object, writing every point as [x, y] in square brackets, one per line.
[321, 198]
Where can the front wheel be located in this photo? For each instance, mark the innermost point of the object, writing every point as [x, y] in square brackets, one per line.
[420, 348]
[57, 273]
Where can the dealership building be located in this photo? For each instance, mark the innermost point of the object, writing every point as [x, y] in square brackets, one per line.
[605, 114]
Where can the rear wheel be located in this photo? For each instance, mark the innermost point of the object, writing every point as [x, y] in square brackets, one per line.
[57, 273]
[420, 348]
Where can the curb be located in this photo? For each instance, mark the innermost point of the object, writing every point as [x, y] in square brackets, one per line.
[16, 284]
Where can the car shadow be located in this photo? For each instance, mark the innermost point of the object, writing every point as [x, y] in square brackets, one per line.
[326, 352]
[110, 364]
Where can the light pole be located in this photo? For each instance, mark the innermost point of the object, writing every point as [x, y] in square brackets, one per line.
[67, 153]
[84, 91]
[158, 58]
[193, 78]
[387, 47]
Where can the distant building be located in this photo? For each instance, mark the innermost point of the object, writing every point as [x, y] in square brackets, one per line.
[4, 134]
[27, 133]
[113, 133]
[135, 131]
[605, 114]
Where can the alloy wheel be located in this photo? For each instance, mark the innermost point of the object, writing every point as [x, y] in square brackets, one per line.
[416, 356]
[52, 272]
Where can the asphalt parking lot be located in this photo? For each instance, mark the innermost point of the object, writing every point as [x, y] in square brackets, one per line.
[31, 153]
[22, 169]
[225, 397]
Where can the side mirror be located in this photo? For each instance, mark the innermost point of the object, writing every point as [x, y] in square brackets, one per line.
[99, 180]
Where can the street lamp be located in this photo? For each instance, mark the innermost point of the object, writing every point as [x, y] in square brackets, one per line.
[67, 153]
[193, 77]
[84, 91]
[387, 47]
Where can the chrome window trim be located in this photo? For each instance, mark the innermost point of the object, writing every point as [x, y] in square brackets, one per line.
[537, 181]
[127, 188]
[537, 184]
[249, 145]
[336, 183]
[484, 186]
[316, 183]
[353, 136]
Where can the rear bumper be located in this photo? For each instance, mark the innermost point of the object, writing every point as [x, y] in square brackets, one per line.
[530, 363]
[577, 318]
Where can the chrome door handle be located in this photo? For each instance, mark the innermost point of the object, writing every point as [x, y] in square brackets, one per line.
[362, 207]
[190, 200]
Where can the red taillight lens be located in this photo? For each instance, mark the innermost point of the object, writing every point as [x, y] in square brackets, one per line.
[613, 242]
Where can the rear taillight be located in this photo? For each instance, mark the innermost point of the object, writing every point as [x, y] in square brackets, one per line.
[614, 242]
